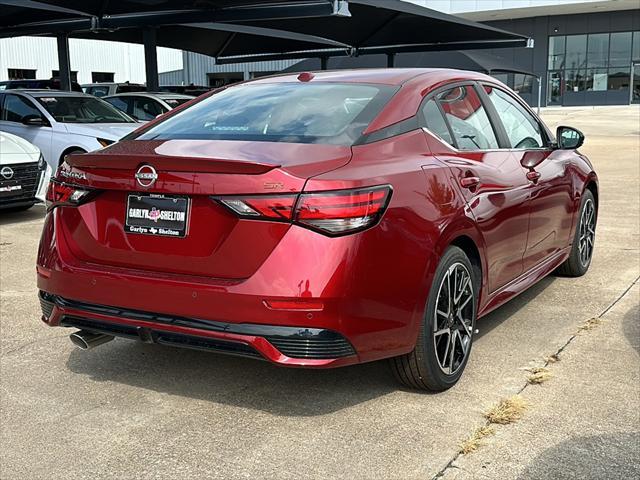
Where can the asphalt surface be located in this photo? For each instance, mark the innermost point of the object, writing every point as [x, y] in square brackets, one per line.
[130, 410]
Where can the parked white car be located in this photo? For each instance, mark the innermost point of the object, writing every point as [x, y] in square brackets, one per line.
[24, 175]
[60, 123]
[144, 106]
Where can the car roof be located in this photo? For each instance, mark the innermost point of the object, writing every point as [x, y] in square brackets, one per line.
[160, 95]
[386, 76]
[47, 92]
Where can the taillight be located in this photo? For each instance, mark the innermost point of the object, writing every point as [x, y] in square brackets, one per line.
[59, 194]
[337, 212]
[342, 211]
[276, 207]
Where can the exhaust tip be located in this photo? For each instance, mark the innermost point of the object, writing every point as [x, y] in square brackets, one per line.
[85, 340]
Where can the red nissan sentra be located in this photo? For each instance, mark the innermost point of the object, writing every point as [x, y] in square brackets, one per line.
[319, 220]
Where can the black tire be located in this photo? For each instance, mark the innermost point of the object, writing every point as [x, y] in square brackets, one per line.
[421, 369]
[577, 264]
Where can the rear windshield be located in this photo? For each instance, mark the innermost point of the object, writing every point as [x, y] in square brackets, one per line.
[82, 110]
[333, 113]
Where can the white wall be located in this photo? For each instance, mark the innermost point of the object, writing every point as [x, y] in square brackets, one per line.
[124, 59]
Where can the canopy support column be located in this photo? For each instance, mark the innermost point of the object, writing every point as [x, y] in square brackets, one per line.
[324, 62]
[64, 66]
[391, 60]
[151, 59]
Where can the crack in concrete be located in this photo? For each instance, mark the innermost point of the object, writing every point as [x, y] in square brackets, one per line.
[451, 463]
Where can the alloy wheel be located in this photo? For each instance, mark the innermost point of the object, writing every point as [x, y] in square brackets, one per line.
[587, 232]
[453, 318]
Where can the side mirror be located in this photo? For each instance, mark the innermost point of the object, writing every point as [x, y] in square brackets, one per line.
[569, 138]
[33, 121]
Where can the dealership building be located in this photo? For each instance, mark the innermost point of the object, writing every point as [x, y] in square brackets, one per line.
[585, 52]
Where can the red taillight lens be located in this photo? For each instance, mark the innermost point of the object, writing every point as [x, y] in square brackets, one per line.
[337, 212]
[63, 194]
[343, 211]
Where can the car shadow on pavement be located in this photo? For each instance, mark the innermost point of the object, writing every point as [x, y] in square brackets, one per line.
[594, 457]
[240, 382]
[506, 311]
[34, 213]
[250, 383]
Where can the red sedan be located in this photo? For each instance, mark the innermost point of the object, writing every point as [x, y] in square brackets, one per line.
[319, 220]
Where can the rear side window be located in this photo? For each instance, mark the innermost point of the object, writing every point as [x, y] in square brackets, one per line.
[435, 121]
[522, 128]
[467, 118]
[119, 103]
[323, 112]
[146, 108]
[16, 108]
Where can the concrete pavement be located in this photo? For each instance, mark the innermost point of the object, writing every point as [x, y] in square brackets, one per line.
[130, 410]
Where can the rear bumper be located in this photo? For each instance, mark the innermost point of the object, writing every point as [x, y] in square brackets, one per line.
[291, 346]
[368, 294]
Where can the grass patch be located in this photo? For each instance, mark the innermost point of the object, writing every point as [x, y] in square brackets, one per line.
[590, 324]
[474, 442]
[507, 411]
[538, 375]
[552, 358]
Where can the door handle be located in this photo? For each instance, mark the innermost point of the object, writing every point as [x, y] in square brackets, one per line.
[533, 176]
[469, 182]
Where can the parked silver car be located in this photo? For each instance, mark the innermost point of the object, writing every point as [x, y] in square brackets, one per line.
[147, 106]
[60, 123]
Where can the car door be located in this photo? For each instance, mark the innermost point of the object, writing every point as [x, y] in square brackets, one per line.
[488, 175]
[14, 108]
[550, 201]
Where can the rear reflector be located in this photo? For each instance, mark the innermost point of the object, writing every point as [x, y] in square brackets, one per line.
[332, 213]
[305, 305]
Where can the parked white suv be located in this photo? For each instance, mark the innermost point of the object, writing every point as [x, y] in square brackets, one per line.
[24, 175]
[60, 123]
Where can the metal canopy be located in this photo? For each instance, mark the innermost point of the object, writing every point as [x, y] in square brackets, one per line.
[390, 26]
[241, 30]
[462, 60]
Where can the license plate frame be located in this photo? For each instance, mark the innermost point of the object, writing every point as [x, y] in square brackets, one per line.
[144, 214]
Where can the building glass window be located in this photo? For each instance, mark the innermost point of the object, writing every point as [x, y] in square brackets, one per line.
[556, 52]
[598, 50]
[636, 46]
[576, 56]
[575, 80]
[620, 49]
[523, 83]
[596, 62]
[618, 78]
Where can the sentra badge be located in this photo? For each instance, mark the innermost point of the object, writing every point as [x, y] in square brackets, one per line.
[72, 174]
